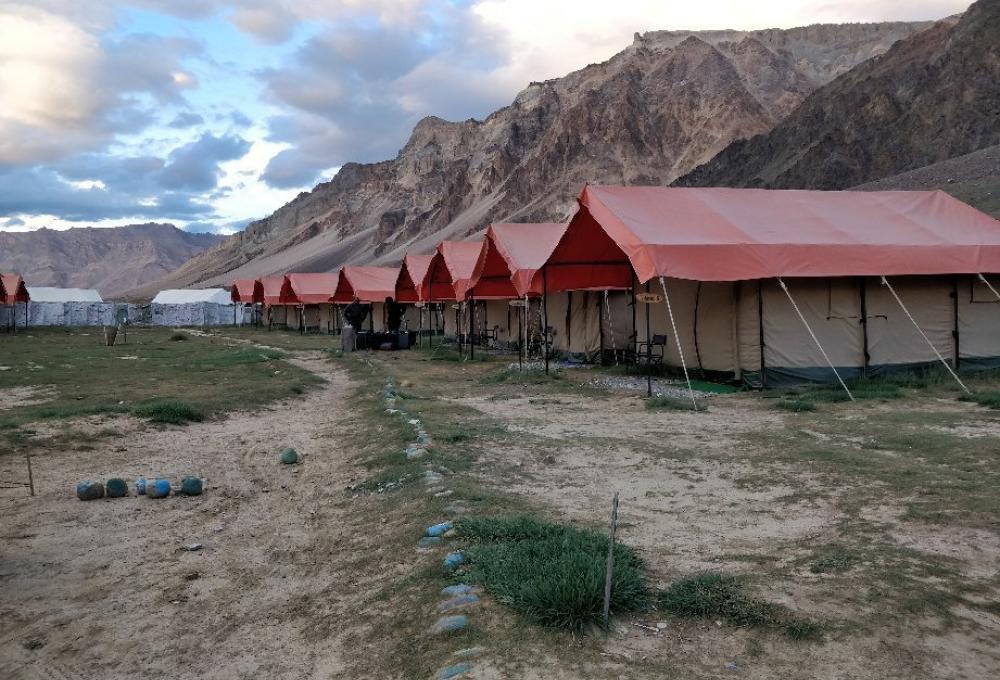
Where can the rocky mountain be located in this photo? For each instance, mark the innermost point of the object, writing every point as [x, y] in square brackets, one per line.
[931, 97]
[669, 102]
[110, 260]
[973, 178]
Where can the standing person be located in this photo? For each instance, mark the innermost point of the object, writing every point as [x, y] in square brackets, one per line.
[354, 316]
[394, 314]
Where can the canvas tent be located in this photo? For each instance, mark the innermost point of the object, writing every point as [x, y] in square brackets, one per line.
[508, 269]
[242, 291]
[49, 294]
[448, 278]
[267, 293]
[370, 285]
[309, 295]
[195, 307]
[408, 291]
[775, 286]
[12, 293]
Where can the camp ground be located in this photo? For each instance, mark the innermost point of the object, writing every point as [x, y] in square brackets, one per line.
[309, 295]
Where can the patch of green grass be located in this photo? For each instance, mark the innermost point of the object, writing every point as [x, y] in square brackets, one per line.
[529, 376]
[990, 399]
[711, 595]
[178, 337]
[674, 404]
[170, 411]
[835, 561]
[551, 573]
[794, 405]
[860, 389]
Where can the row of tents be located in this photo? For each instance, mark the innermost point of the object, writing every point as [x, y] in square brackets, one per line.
[763, 286]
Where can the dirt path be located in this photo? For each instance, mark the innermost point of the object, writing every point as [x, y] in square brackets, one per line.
[106, 588]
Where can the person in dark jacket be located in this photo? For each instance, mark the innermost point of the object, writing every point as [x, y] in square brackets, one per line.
[356, 313]
[394, 314]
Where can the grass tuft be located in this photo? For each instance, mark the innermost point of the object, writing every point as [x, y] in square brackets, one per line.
[529, 376]
[795, 405]
[674, 404]
[837, 560]
[170, 411]
[178, 337]
[551, 573]
[711, 595]
[990, 399]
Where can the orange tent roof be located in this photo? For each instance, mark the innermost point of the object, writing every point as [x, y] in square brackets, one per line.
[510, 259]
[369, 284]
[14, 289]
[3, 291]
[242, 290]
[450, 272]
[411, 275]
[743, 234]
[308, 289]
[267, 289]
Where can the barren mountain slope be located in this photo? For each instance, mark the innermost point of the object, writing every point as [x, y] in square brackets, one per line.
[973, 178]
[110, 260]
[931, 97]
[668, 102]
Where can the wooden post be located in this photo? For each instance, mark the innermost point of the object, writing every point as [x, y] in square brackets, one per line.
[610, 570]
[31, 477]
[649, 352]
[545, 315]
[472, 328]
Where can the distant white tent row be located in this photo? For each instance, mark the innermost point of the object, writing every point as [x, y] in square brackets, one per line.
[197, 307]
[48, 294]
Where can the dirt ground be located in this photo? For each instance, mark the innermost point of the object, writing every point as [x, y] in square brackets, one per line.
[106, 589]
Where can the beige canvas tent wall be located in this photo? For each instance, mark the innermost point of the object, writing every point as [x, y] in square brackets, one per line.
[731, 250]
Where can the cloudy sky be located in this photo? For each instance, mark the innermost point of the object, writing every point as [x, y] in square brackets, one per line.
[210, 113]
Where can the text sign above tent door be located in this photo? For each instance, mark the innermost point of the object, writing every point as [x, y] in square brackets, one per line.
[648, 298]
[516, 303]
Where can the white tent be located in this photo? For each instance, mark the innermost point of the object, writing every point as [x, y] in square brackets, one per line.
[49, 294]
[183, 296]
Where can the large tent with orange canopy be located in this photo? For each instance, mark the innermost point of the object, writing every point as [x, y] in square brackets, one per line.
[12, 293]
[448, 279]
[371, 285]
[241, 293]
[409, 285]
[309, 295]
[267, 293]
[785, 286]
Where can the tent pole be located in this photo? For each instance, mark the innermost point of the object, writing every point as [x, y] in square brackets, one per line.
[760, 332]
[472, 328]
[862, 289]
[600, 326]
[885, 282]
[677, 339]
[815, 339]
[649, 353]
[521, 335]
[954, 332]
[545, 316]
[611, 327]
[635, 333]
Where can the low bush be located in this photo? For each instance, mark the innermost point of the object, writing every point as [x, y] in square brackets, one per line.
[551, 573]
[711, 595]
[675, 404]
[795, 405]
[989, 399]
[169, 411]
[178, 337]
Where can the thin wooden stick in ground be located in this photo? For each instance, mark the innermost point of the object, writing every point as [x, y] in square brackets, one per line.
[31, 477]
[611, 560]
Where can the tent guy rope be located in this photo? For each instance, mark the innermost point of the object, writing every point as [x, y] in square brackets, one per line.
[611, 327]
[885, 282]
[677, 339]
[815, 339]
[988, 285]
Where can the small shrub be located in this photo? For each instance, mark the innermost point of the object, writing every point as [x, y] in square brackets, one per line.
[989, 399]
[297, 389]
[712, 595]
[795, 405]
[178, 337]
[835, 561]
[528, 376]
[169, 411]
[551, 573]
[675, 404]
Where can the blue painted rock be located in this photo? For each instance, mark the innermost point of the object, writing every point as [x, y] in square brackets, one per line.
[116, 487]
[158, 488]
[439, 529]
[450, 624]
[289, 456]
[140, 486]
[454, 671]
[191, 486]
[88, 490]
[453, 560]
